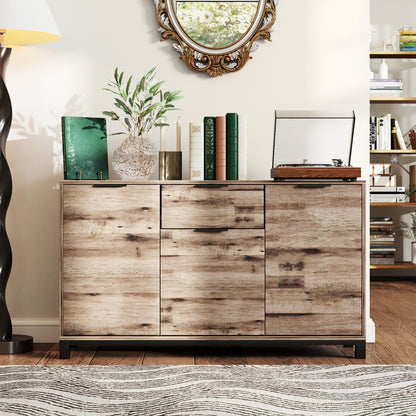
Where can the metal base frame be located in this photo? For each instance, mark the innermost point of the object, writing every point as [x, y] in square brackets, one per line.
[65, 346]
[17, 345]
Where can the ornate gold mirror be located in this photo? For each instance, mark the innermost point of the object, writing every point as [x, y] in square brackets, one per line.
[215, 36]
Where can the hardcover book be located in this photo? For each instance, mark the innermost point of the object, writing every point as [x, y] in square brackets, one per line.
[196, 152]
[220, 149]
[209, 148]
[84, 143]
[242, 147]
[232, 146]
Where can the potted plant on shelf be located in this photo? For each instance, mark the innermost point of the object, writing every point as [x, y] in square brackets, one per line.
[409, 231]
[140, 107]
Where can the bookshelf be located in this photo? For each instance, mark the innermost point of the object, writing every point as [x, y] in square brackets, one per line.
[389, 209]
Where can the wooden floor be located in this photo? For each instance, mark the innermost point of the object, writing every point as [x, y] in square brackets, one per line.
[393, 309]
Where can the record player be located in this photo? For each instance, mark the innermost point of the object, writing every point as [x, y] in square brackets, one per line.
[313, 145]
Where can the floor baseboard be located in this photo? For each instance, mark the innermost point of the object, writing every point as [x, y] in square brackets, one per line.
[42, 330]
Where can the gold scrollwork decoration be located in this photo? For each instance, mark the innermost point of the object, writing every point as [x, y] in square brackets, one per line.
[215, 61]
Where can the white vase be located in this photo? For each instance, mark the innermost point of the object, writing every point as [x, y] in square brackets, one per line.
[135, 158]
[414, 252]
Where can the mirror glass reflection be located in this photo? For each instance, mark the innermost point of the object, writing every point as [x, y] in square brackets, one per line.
[216, 24]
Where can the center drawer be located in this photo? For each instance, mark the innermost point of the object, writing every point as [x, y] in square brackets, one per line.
[212, 206]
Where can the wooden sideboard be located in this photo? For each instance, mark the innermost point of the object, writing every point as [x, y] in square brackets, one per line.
[210, 261]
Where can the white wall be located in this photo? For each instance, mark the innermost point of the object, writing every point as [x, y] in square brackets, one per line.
[318, 59]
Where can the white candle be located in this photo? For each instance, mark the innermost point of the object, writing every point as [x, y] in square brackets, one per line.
[162, 138]
[178, 135]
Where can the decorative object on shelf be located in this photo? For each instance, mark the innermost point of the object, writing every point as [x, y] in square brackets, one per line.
[22, 22]
[136, 156]
[409, 231]
[412, 138]
[170, 166]
[212, 46]
[383, 70]
[414, 252]
[412, 182]
[84, 143]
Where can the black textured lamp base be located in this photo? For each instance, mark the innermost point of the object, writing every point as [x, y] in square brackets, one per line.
[17, 345]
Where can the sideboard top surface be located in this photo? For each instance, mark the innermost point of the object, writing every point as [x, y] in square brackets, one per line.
[207, 182]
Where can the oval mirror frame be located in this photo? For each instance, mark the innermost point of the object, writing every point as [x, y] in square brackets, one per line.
[215, 61]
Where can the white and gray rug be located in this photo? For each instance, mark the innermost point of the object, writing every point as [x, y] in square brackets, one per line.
[208, 390]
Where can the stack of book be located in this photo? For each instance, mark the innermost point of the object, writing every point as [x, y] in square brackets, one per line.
[387, 194]
[386, 134]
[382, 247]
[223, 153]
[408, 39]
[386, 88]
[383, 185]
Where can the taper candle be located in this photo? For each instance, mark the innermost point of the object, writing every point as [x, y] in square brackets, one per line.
[162, 138]
[178, 135]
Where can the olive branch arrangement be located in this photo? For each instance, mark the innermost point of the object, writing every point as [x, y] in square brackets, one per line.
[141, 113]
[409, 230]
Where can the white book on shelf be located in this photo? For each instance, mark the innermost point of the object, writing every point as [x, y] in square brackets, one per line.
[387, 132]
[196, 152]
[400, 138]
[242, 147]
[380, 133]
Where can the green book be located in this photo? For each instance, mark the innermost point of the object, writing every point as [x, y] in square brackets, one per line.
[84, 142]
[232, 145]
[209, 148]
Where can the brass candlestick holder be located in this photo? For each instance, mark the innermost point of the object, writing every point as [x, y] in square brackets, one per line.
[170, 166]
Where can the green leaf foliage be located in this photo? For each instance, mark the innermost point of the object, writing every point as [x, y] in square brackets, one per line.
[144, 106]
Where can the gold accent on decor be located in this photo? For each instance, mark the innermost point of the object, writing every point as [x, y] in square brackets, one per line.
[170, 166]
[221, 60]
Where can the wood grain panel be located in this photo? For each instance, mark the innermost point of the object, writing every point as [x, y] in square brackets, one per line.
[313, 260]
[212, 283]
[231, 206]
[110, 260]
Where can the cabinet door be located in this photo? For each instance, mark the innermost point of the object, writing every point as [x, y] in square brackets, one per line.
[313, 260]
[110, 260]
[212, 283]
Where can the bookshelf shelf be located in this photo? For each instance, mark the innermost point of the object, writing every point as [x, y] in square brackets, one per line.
[393, 55]
[392, 204]
[398, 265]
[393, 152]
[393, 100]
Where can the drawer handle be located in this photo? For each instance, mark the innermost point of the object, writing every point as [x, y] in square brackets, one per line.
[211, 185]
[109, 185]
[210, 230]
[314, 185]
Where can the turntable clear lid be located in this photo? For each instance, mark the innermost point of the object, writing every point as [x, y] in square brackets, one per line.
[312, 137]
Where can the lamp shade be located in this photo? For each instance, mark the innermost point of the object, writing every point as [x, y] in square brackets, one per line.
[26, 22]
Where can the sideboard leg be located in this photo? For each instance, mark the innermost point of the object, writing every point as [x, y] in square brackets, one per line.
[360, 349]
[64, 350]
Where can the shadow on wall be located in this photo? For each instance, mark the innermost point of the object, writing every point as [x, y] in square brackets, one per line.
[33, 219]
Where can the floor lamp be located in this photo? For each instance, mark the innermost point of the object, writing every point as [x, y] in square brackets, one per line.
[22, 22]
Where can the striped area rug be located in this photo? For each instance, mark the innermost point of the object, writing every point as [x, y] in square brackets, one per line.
[208, 390]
